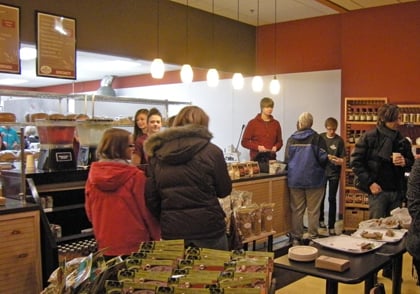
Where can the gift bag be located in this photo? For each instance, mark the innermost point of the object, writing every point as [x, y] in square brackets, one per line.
[233, 235]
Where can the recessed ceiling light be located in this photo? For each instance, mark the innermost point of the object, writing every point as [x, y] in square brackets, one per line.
[27, 53]
[11, 82]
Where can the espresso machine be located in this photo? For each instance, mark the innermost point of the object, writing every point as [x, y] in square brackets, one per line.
[89, 133]
[56, 145]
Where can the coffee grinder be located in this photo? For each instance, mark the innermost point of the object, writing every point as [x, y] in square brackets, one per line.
[56, 145]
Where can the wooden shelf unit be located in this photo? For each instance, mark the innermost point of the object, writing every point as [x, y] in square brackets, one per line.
[360, 116]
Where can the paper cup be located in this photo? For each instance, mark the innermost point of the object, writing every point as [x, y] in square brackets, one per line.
[395, 155]
[30, 162]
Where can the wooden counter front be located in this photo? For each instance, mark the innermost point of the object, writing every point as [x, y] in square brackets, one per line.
[270, 188]
[20, 254]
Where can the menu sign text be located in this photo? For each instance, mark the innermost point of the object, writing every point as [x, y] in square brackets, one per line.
[9, 39]
[56, 44]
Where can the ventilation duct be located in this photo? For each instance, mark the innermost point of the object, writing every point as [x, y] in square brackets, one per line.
[106, 86]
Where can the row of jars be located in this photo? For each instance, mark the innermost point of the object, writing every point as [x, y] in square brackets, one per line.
[410, 114]
[72, 250]
[239, 170]
[362, 114]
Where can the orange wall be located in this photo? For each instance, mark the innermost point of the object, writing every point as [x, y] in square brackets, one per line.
[378, 50]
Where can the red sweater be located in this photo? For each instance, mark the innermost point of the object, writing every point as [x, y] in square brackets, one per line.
[260, 132]
[115, 205]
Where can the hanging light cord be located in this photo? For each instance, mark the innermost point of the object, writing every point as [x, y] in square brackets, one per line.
[238, 11]
[187, 33]
[212, 31]
[275, 35]
[157, 25]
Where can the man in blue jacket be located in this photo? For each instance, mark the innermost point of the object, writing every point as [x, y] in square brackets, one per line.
[307, 158]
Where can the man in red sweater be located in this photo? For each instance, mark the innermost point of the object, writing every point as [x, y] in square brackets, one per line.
[263, 133]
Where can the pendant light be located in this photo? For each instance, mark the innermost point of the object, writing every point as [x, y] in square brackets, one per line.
[238, 81]
[237, 78]
[275, 84]
[157, 69]
[212, 74]
[187, 73]
[257, 83]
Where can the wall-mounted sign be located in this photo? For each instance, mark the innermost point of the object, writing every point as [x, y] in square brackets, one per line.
[9, 39]
[56, 46]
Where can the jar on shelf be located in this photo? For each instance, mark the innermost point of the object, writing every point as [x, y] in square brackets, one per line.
[356, 114]
[350, 115]
[369, 115]
[375, 114]
[363, 114]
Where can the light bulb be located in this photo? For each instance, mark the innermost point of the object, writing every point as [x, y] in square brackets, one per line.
[257, 84]
[157, 69]
[212, 77]
[238, 81]
[27, 53]
[274, 86]
[187, 74]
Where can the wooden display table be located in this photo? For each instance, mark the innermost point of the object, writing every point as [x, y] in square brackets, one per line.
[263, 236]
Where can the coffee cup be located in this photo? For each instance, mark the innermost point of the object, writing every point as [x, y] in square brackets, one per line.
[395, 156]
[30, 163]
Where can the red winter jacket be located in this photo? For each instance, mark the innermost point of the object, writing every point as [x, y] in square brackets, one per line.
[115, 205]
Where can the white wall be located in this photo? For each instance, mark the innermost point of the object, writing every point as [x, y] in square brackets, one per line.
[316, 92]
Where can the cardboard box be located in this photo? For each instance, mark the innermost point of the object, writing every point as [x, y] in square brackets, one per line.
[332, 263]
[352, 217]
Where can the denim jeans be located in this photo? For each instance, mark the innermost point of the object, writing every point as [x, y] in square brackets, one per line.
[382, 204]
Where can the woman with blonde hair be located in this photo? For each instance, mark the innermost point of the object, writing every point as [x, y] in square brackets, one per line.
[114, 197]
[187, 176]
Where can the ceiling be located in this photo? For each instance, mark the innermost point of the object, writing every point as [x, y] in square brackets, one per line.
[92, 66]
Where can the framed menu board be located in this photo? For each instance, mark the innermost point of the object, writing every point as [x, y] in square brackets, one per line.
[9, 39]
[56, 46]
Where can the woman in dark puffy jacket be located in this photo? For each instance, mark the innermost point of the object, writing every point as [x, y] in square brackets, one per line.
[413, 202]
[187, 176]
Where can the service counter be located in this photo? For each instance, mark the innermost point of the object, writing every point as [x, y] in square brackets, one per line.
[20, 253]
[268, 188]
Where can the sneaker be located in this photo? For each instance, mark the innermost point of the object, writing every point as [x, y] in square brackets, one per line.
[331, 232]
[322, 225]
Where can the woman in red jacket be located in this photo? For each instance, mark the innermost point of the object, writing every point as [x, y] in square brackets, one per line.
[115, 202]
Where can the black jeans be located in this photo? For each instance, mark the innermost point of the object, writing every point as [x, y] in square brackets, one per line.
[332, 202]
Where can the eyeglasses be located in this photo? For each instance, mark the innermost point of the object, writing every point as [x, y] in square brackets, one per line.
[131, 145]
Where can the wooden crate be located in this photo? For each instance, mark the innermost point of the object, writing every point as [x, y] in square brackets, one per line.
[352, 218]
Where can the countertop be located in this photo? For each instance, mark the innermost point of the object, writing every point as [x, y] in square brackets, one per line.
[14, 206]
[259, 176]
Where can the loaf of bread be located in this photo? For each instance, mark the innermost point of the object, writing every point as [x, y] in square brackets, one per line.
[7, 156]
